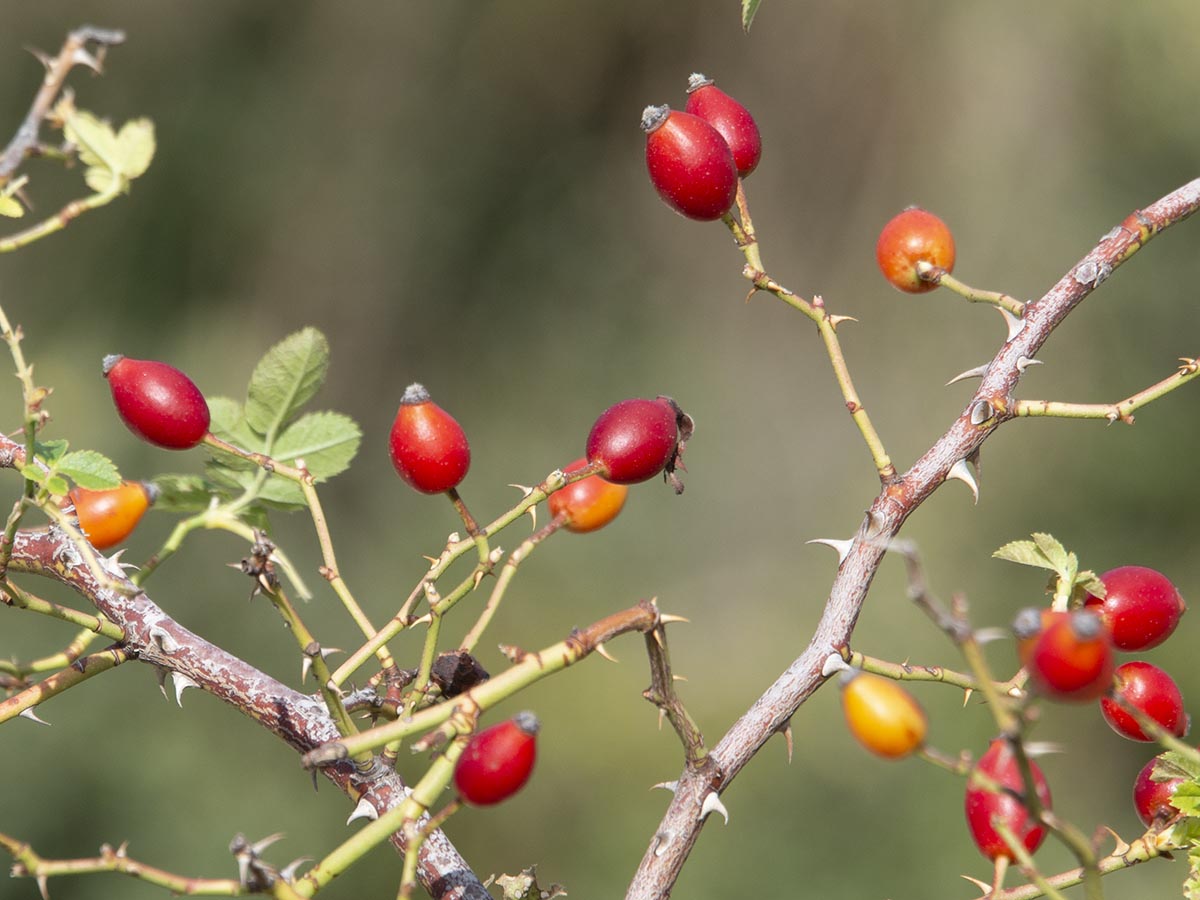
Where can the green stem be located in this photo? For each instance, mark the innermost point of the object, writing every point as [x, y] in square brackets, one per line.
[1121, 411]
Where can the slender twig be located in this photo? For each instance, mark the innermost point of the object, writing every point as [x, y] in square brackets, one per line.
[79, 671]
[1112, 412]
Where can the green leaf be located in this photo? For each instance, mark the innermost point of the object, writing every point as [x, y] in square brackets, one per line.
[1027, 553]
[326, 441]
[285, 379]
[1054, 551]
[90, 470]
[57, 486]
[1191, 886]
[749, 11]
[93, 136]
[135, 147]
[98, 178]
[50, 452]
[1176, 765]
[229, 424]
[183, 493]
[11, 207]
[1090, 582]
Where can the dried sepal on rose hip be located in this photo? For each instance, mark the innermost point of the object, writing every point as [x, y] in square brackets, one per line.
[882, 715]
[634, 440]
[913, 240]
[497, 761]
[427, 446]
[1141, 607]
[588, 504]
[689, 163]
[729, 117]
[157, 402]
[985, 806]
[108, 517]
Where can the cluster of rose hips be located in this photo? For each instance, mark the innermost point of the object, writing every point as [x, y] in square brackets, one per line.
[695, 157]
[632, 441]
[1068, 656]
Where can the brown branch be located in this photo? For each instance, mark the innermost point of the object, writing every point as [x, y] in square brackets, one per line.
[74, 52]
[991, 405]
[298, 719]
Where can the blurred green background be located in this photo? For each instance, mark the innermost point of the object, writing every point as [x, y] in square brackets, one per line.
[455, 193]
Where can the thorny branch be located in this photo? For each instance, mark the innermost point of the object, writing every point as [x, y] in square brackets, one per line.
[991, 405]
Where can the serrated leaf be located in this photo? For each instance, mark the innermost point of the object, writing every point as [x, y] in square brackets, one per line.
[1027, 553]
[50, 452]
[90, 470]
[93, 136]
[1191, 886]
[1090, 582]
[11, 207]
[229, 424]
[183, 493]
[1054, 551]
[1176, 765]
[286, 378]
[57, 486]
[135, 147]
[749, 11]
[326, 441]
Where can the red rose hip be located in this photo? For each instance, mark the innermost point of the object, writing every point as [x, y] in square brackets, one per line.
[1151, 798]
[497, 761]
[729, 117]
[636, 439]
[1141, 608]
[1072, 658]
[690, 165]
[157, 402]
[428, 447]
[985, 807]
[1148, 688]
[914, 236]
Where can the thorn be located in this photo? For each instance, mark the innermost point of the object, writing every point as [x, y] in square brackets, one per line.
[982, 885]
[123, 850]
[991, 635]
[675, 677]
[1024, 362]
[523, 488]
[658, 637]
[842, 547]
[667, 619]
[258, 847]
[288, 872]
[41, 56]
[1121, 847]
[835, 321]
[981, 411]
[661, 839]
[833, 663]
[43, 887]
[787, 736]
[1014, 324]
[962, 472]
[82, 57]
[431, 559]
[600, 648]
[306, 664]
[1043, 748]
[671, 786]
[712, 803]
[182, 683]
[161, 674]
[364, 810]
[967, 692]
[662, 714]
[313, 773]
[977, 372]
[33, 717]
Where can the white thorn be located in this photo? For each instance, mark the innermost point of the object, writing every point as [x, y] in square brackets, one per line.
[1121, 847]
[33, 717]
[123, 850]
[43, 887]
[603, 651]
[1014, 324]
[977, 372]
[182, 683]
[833, 664]
[288, 872]
[1024, 362]
[1043, 748]
[305, 668]
[712, 803]
[671, 786]
[991, 635]
[161, 675]
[660, 842]
[841, 547]
[982, 885]
[259, 846]
[961, 471]
[364, 810]
[163, 639]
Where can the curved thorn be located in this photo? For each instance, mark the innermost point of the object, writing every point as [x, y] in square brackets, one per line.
[833, 664]
[962, 472]
[667, 619]
[671, 786]
[182, 683]
[364, 810]
[602, 651]
[982, 885]
[712, 803]
[967, 692]
[981, 411]
[991, 635]
[787, 736]
[841, 547]
[1014, 324]
[288, 872]
[161, 675]
[164, 640]
[977, 372]
[259, 846]
[33, 717]
[1121, 847]
[43, 888]
[1024, 362]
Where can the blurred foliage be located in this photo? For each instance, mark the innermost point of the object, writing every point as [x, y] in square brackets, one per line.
[454, 193]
